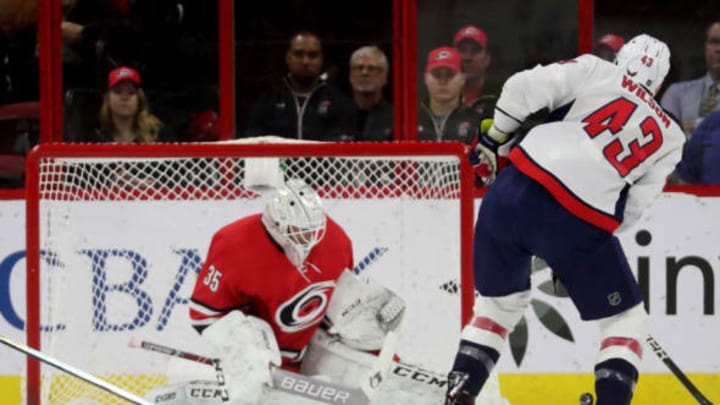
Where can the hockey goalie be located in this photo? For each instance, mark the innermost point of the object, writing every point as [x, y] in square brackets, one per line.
[277, 301]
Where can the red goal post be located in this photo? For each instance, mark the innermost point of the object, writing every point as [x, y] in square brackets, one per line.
[79, 195]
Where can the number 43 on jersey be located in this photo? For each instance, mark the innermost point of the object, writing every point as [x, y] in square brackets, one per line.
[624, 156]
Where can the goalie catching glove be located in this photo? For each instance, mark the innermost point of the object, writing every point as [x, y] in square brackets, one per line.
[361, 313]
[484, 151]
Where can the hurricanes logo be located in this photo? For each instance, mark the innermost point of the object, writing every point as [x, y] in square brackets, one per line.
[442, 55]
[306, 308]
[463, 129]
[124, 72]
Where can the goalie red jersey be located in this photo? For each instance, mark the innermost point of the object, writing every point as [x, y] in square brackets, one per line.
[247, 269]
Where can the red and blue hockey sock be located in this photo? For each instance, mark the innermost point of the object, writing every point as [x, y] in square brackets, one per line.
[478, 362]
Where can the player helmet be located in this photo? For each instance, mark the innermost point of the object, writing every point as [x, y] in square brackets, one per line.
[294, 217]
[646, 60]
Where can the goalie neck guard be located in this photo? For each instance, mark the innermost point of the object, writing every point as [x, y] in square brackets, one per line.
[294, 217]
[646, 60]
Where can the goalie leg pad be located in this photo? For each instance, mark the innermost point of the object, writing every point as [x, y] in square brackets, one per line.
[327, 355]
[193, 393]
[494, 318]
[246, 347]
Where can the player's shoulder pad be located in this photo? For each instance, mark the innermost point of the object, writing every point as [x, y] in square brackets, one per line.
[591, 61]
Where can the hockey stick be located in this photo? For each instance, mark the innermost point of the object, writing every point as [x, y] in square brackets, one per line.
[214, 363]
[662, 354]
[283, 380]
[381, 368]
[172, 352]
[87, 377]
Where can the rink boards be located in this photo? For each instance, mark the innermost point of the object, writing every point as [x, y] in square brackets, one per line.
[673, 249]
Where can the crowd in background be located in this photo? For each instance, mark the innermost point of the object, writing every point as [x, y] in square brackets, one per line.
[123, 61]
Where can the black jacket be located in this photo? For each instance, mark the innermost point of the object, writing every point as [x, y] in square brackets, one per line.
[461, 124]
[484, 105]
[378, 124]
[324, 115]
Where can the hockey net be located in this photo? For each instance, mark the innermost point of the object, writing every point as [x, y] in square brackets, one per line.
[117, 234]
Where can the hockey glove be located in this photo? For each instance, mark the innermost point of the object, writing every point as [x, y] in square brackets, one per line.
[361, 313]
[456, 395]
[484, 151]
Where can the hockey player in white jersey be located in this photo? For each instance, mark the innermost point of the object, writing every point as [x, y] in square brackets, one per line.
[598, 162]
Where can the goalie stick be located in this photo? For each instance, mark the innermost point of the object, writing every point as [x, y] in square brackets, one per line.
[87, 377]
[283, 380]
[381, 368]
[302, 385]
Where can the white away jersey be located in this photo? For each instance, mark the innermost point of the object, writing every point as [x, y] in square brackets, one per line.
[609, 134]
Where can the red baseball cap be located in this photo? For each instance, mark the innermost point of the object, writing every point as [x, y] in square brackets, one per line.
[472, 33]
[117, 75]
[444, 56]
[612, 41]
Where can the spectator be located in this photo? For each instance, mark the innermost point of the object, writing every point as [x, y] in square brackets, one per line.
[125, 114]
[19, 132]
[305, 105]
[444, 117]
[19, 75]
[471, 42]
[690, 101]
[97, 35]
[608, 46]
[368, 75]
[700, 162]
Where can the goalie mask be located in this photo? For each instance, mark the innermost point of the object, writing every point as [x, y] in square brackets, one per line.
[295, 219]
[646, 60]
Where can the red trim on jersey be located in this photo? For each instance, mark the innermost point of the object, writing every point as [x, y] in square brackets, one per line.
[489, 325]
[196, 315]
[558, 190]
[631, 344]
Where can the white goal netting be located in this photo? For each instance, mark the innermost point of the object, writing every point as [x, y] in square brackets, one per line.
[117, 234]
